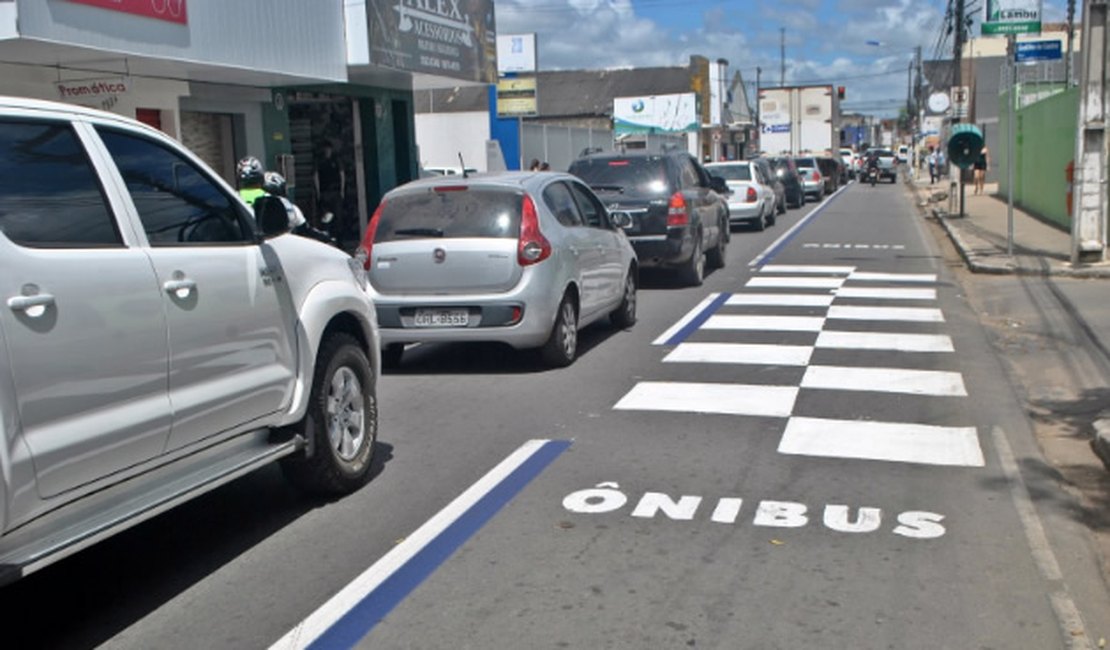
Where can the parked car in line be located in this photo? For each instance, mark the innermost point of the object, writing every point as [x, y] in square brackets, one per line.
[830, 168]
[751, 198]
[848, 157]
[813, 182]
[787, 171]
[158, 339]
[773, 179]
[903, 155]
[522, 258]
[679, 214]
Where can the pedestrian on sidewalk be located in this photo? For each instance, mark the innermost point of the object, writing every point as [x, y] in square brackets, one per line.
[932, 165]
[981, 165]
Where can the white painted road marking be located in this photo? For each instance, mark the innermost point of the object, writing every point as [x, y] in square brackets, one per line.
[796, 282]
[905, 443]
[781, 299]
[884, 341]
[914, 314]
[728, 399]
[765, 323]
[886, 294]
[820, 270]
[860, 276]
[774, 355]
[885, 380]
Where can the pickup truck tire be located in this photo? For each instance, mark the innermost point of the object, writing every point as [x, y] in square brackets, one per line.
[341, 424]
[693, 272]
[562, 345]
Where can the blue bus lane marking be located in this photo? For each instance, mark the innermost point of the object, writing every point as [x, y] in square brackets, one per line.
[352, 613]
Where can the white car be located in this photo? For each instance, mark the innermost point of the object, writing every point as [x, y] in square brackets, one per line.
[751, 200]
[157, 339]
[850, 163]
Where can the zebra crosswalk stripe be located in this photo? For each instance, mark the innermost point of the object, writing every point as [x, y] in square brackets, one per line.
[726, 399]
[887, 441]
[885, 380]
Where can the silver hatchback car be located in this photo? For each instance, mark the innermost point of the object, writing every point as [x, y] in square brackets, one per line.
[523, 258]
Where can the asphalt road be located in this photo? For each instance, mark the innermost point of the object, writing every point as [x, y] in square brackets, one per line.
[816, 447]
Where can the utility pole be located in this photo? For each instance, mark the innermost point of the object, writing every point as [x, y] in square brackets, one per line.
[782, 57]
[1071, 37]
[1089, 205]
[758, 108]
[958, 55]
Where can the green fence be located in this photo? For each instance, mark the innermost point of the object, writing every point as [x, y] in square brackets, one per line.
[1045, 133]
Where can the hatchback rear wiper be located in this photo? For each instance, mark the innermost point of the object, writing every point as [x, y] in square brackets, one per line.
[608, 188]
[420, 232]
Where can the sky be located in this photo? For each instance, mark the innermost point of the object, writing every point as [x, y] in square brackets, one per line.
[864, 45]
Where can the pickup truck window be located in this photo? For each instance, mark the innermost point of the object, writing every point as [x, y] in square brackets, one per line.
[50, 193]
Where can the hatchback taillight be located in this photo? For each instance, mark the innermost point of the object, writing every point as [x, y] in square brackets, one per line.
[362, 254]
[816, 175]
[677, 214]
[532, 247]
[751, 195]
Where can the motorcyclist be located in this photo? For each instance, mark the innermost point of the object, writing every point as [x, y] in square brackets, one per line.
[274, 184]
[872, 166]
[250, 174]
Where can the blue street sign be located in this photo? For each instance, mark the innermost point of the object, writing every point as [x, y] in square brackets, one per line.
[1028, 51]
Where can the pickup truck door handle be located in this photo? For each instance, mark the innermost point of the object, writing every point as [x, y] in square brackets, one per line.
[180, 287]
[27, 304]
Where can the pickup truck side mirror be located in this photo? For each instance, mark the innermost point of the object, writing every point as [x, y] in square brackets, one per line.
[271, 216]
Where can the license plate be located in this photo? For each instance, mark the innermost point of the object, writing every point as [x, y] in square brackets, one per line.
[442, 317]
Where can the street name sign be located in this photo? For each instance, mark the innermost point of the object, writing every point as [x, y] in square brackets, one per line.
[1030, 51]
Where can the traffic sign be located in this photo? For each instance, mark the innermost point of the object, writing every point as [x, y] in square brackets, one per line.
[1029, 51]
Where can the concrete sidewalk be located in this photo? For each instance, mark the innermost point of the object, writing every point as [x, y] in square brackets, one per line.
[982, 234]
[982, 237]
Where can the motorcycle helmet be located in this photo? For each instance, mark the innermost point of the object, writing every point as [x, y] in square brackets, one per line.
[249, 170]
[274, 183]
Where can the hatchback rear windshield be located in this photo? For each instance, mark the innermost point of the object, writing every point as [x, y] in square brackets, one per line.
[646, 175]
[455, 213]
[809, 163]
[731, 172]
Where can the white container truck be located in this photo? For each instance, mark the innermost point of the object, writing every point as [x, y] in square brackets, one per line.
[799, 119]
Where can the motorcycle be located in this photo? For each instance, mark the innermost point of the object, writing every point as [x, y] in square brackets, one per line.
[873, 174]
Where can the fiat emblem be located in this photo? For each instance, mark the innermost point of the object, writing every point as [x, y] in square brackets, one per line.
[439, 255]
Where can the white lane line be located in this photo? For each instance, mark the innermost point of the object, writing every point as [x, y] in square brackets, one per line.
[728, 399]
[781, 299]
[319, 621]
[765, 323]
[886, 293]
[774, 355]
[861, 276]
[885, 380]
[911, 314]
[1067, 614]
[818, 269]
[796, 283]
[887, 441]
[884, 341]
[685, 320]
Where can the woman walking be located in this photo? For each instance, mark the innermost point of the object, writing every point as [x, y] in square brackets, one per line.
[982, 163]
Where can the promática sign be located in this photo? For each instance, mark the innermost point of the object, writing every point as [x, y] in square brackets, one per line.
[449, 38]
[169, 10]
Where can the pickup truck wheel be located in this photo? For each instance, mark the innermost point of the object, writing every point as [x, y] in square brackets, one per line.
[624, 316]
[341, 424]
[562, 346]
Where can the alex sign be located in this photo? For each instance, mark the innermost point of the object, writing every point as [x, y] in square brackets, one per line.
[170, 10]
[1012, 17]
[655, 114]
[445, 38]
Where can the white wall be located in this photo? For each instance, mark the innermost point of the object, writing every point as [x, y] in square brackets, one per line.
[296, 37]
[441, 136]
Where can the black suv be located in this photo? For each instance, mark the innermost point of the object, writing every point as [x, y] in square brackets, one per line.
[787, 172]
[679, 212]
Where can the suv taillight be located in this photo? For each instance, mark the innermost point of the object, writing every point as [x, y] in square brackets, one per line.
[532, 247]
[751, 195]
[677, 215]
[362, 254]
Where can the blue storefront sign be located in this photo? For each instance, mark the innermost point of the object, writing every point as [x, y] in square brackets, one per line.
[1029, 51]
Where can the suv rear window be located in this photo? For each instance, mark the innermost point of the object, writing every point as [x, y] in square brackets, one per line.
[454, 213]
[632, 175]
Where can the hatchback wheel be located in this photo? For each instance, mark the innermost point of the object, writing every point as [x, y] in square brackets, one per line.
[562, 345]
[624, 316]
